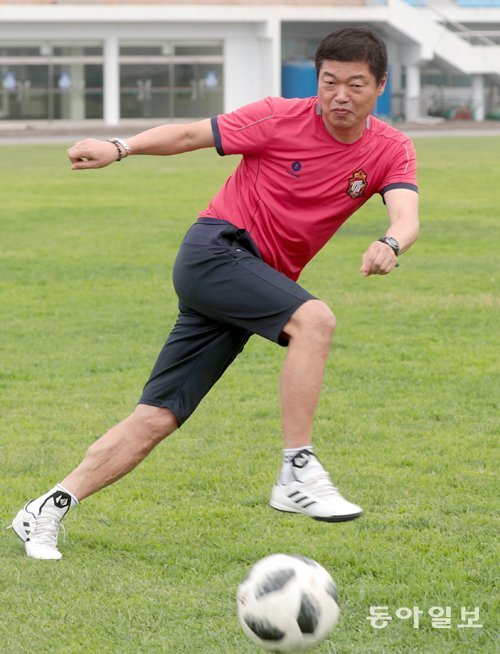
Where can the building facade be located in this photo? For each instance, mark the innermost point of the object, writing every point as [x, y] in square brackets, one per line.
[110, 61]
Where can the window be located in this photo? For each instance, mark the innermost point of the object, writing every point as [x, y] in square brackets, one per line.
[51, 80]
[171, 79]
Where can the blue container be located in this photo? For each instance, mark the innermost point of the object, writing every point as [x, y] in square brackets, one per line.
[383, 106]
[298, 79]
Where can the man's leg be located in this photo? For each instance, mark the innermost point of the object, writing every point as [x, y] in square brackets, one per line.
[304, 485]
[120, 450]
[243, 290]
[310, 331]
[107, 460]
[195, 355]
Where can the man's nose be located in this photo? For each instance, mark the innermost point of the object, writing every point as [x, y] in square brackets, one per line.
[342, 94]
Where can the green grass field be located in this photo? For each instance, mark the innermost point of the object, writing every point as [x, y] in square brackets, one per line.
[407, 423]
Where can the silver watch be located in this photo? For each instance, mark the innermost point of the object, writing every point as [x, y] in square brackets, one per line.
[122, 146]
[391, 242]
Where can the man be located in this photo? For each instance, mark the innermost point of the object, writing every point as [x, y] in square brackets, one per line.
[307, 165]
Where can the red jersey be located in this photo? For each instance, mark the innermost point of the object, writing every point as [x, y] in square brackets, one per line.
[296, 184]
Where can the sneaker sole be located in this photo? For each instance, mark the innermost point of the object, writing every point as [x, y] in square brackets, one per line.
[341, 518]
[42, 553]
[332, 518]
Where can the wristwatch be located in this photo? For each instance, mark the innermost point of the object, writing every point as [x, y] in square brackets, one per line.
[391, 242]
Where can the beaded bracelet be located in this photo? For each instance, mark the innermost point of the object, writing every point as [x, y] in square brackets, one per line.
[122, 146]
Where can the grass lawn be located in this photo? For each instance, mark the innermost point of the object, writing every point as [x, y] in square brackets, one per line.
[407, 423]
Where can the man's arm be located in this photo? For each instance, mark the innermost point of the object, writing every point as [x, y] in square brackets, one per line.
[402, 207]
[163, 140]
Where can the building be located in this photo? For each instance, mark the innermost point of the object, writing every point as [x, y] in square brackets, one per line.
[73, 60]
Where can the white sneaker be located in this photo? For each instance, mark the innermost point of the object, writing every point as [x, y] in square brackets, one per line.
[23, 524]
[312, 493]
[38, 525]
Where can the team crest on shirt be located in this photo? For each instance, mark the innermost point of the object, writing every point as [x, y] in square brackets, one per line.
[357, 184]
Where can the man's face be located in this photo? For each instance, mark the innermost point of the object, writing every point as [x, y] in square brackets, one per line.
[347, 92]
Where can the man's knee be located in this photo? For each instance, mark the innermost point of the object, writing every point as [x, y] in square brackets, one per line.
[144, 428]
[156, 422]
[313, 318]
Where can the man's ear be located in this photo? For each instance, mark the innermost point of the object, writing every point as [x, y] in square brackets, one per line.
[381, 86]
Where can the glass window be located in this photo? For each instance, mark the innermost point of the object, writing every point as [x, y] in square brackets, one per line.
[46, 49]
[77, 92]
[74, 49]
[19, 50]
[55, 81]
[145, 90]
[197, 48]
[24, 94]
[198, 90]
[141, 50]
[169, 48]
[171, 79]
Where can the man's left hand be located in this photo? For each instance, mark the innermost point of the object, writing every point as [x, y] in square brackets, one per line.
[379, 259]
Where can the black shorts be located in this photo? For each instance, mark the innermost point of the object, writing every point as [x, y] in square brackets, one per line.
[226, 293]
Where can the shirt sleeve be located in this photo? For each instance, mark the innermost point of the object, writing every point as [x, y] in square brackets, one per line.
[246, 130]
[402, 171]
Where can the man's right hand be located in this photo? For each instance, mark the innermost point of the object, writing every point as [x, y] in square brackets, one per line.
[92, 153]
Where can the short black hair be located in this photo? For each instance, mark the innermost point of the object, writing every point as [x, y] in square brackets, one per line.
[354, 44]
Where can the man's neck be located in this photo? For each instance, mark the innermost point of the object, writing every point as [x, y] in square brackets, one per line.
[347, 135]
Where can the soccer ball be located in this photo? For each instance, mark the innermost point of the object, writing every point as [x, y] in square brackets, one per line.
[287, 603]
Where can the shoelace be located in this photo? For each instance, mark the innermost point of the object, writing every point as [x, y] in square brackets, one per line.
[46, 530]
[320, 485]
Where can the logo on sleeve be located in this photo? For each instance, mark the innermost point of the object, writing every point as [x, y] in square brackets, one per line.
[357, 184]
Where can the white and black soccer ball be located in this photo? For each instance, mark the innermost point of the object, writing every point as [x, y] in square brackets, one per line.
[287, 603]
